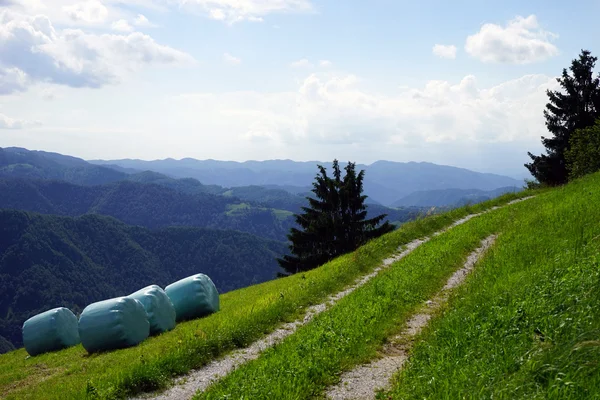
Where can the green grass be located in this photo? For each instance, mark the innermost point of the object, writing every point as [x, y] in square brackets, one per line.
[356, 327]
[282, 214]
[246, 315]
[234, 209]
[239, 209]
[527, 324]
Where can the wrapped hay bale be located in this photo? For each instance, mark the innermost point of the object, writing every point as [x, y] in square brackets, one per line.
[50, 331]
[193, 297]
[113, 324]
[158, 306]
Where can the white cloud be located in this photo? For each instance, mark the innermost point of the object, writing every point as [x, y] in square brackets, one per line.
[445, 51]
[306, 63]
[217, 14]
[333, 110]
[303, 63]
[522, 41]
[91, 11]
[122, 26]
[10, 123]
[231, 60]
[141, 20]
[233, 11]
[12, 80]
[34, 51]
[327, 115]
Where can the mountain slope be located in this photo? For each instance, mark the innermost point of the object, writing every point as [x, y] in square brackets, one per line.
[49, 261]
[39, 181]
[157, 206]
[148, 205]
[385, 181]
[526, 324]
[22, 163]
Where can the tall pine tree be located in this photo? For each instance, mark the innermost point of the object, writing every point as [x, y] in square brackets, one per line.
[575, 107]
[334, 223]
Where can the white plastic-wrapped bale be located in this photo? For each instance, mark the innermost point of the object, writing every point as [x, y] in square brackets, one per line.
[113, 324]
[158, 306]
[193, 297]
[51, 330]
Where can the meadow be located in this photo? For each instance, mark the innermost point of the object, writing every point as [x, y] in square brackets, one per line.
[246, 315]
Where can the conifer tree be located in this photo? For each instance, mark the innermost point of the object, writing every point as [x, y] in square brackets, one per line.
[584, 155]
[575, 107]
[334, 222]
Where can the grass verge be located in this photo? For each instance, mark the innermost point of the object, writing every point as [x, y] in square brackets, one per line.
[527, 323]
[352, 331]
[247, 314]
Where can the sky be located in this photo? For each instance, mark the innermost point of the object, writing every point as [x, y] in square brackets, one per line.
[459, 83]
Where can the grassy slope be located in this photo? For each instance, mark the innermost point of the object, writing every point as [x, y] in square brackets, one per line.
[352, 331]
[237, 209]
[246, 315]
[527, 323]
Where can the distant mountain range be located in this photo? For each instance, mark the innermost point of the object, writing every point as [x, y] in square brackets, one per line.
[54, 184]
[386, 182]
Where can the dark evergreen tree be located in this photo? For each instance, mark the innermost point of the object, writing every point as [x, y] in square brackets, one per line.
[359, 230]
[575, 107]
[584, 155]
[334, 223]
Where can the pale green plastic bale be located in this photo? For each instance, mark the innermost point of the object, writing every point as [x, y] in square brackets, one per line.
[193, 297]
[113, 324]
[158, 306]
[50, 331]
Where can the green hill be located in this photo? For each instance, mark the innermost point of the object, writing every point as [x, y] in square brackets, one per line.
[246, 314]
[523, 325]
[50, 261]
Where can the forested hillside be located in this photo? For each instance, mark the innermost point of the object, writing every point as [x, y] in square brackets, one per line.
[157, 206]
[53, 183]
[23, 163]
[51, 261]
[148, 205]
